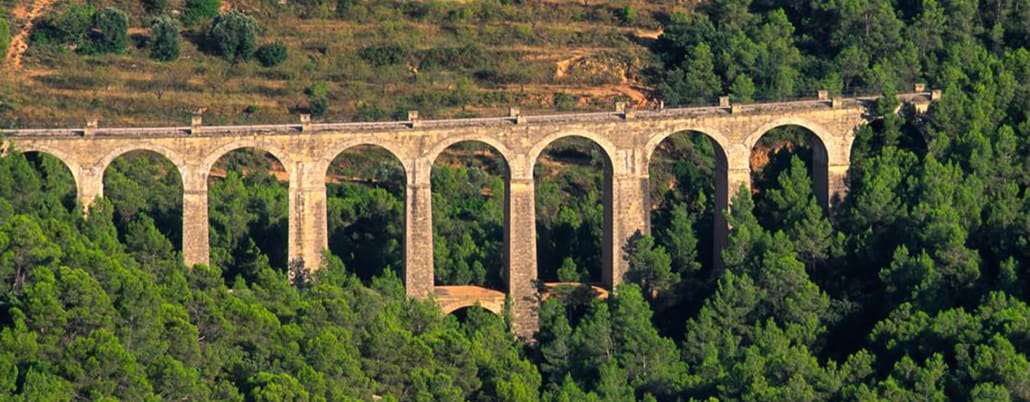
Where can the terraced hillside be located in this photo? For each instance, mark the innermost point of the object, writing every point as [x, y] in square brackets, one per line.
[363, 60]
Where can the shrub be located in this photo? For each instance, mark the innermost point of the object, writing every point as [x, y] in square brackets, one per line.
[352, 9]
[627, 15]
[318, 98]
[155, 6]
[370, 113]
[165, 39]
[70, 25]
[114, 30]
[319, 89]
[318, 106]
[234, 35]
[271, 54]
[5, 37]
[197, 10]
[382, 55]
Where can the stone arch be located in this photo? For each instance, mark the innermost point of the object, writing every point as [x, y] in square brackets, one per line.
[506, 154]
[717, 138]
[456, 310]
[496, 275]
[213, 157]
[69, 162]
[326, 160]
[607, 148]
[451, 309]
[723, 188]
[176, 236]
[820, 154]
[279, 242]
[608, 252]
[337, 236]
[453, 298]
[819, 132]
[168, 154]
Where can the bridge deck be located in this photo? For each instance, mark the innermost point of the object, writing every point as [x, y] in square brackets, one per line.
[560, 118]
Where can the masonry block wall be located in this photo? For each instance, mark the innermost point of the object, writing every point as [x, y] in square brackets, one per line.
[628, 142]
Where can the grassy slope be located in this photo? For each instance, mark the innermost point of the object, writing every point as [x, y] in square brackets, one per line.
[538, 55]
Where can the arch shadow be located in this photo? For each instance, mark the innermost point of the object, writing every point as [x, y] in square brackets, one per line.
[365, 245]
[280, 155]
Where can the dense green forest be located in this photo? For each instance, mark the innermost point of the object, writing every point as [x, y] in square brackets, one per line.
[914, 287]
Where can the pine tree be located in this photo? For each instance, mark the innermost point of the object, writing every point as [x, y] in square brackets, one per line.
[554, 337]
[797, 213]
[592, 343]
[113, 25]
[649, 361]
[650, 266]
[693, 82]
[680, 241]
[165, 41]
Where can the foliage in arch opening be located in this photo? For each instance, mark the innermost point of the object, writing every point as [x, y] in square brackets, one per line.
[146, 191]
[682, 177]
[571, 177]
[365, 187]
[468, 185]
[248, 212]
[788, 175]
[771, 157]
[36, 181]
[474, 315]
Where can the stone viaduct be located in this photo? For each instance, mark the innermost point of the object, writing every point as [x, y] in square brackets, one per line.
[627, 137]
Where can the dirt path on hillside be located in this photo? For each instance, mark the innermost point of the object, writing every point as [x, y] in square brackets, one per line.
[639, 94]
[20, 42]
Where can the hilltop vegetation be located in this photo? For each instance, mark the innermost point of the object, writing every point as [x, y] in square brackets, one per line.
[375, 60]
[914, 287]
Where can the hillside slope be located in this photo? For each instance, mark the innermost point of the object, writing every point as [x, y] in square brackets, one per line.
[376, 60]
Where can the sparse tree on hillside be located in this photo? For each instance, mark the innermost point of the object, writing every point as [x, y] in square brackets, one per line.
[272, 54]
[165, 40]
[234, 35]
[114, 30]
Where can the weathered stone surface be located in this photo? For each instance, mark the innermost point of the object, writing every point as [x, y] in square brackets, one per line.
[520, 254]
[627, 143]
